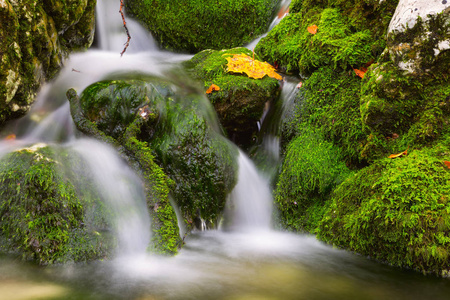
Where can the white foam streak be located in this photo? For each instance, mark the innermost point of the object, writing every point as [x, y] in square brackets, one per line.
[123, 193]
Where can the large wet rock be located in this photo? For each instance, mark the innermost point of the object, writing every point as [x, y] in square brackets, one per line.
[348, 34]
[192, 26]
[36, 38]
[241, 100]
[396, 211]
[156, 121]
[49, 210]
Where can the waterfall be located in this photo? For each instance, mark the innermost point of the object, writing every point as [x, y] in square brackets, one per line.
[111, 33]
[250, 202]
[122, 190]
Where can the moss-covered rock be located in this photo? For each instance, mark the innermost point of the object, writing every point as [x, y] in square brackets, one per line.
[49, 211]
[346, 35]
[396, 211]
[241, 100]
[329, 100]
[311, 169]
[156, 120]
[36, 38]
[406, 97]
[192, 26]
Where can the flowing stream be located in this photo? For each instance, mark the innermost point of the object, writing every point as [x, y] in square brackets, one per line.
[246, 259]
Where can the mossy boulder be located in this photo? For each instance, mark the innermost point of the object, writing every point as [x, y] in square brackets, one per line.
[329, 100]
[192, 26]
[155, 120]
[49, 210]
[311, 169]
[346, 35]
[241, 100]
[396, 211]
[36, 38]
[405, 98]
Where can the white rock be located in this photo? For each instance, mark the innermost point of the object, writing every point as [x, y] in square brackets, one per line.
[408, 11]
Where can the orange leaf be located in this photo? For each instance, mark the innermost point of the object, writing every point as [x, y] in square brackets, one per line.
[212, 88]
[312, 29]
[399, 154]
[361, 72]
[242, 63]
[447, 163]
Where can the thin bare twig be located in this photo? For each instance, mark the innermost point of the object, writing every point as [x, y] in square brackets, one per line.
[126, 29]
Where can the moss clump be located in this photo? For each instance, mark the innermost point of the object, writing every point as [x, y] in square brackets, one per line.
[48, 213]
[321, 103]
[311, 169]
[402, 111]
[396, 210]
[349, 33]
[336, 43]
[240, 101]
[193, 26]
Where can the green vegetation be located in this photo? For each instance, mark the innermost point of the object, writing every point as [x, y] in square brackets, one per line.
[49, 213]
[240, 101]
[393, 210]
[311, 169]
[396, 210]
[192, 26]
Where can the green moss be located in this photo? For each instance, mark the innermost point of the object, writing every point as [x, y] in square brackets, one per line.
[336, 43]
[47, 213]
[311, 169]
[192, 26]
[402, 110]
[396, 210]
[330, 101]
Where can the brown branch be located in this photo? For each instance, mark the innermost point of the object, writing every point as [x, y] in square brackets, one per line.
[126, 29]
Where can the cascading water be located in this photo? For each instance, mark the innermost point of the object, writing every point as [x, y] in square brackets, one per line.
[251, 199]
[250, 261]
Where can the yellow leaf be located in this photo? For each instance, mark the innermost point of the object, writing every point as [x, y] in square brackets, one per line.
[312, 29]
[242, 63]
[212, 88]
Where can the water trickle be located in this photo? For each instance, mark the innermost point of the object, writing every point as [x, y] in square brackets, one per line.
[122, 191]
[250, 203]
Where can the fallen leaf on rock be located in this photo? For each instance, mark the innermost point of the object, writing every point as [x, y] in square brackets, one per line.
[299, 85]
[399, 154]
[212, 88]
[312, 29]
[447, 163]
[242, 63]
[360, 72]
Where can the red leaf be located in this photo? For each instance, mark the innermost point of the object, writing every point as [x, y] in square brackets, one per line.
[447, 163]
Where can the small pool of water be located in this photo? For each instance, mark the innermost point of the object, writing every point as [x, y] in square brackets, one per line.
[264, 265]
